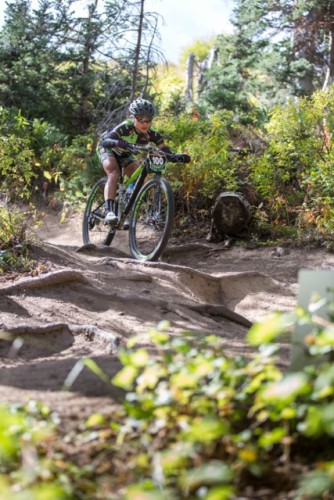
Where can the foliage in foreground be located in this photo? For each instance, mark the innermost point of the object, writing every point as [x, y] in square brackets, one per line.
[202, 424]
[195, 423]
[26, 433]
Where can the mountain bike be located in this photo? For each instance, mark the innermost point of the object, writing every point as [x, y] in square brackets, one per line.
[149, 208]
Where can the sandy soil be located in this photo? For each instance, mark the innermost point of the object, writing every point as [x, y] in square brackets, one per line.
[85, 302]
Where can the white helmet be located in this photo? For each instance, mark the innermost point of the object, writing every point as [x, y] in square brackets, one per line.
[142, 107]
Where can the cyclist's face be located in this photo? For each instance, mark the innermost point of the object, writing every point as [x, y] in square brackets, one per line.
[143, 123]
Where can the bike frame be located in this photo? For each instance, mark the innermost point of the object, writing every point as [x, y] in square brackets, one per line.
[151, 218]
[138, 177]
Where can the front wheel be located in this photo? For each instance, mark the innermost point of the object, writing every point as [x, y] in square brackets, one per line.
[151, 220]
[94, 229]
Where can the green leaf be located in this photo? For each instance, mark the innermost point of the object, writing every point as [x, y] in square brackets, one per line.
[206, 429]
[172, 461]
[268, 439]
[125, 377]
[267, 331]
[315, 484]
[146, 490]
[95, 419]
[140, 358]
[149, 378]
[183, 380]
[214, 472]
[287, 389]
[94, 367]
[47, 175]
[224, 492]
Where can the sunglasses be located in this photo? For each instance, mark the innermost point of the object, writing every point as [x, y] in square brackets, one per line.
[144, 119]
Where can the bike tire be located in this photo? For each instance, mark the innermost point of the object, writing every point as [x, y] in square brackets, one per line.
[94, 229]
[151, 220]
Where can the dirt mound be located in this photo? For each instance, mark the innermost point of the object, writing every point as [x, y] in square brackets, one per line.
[87, 301]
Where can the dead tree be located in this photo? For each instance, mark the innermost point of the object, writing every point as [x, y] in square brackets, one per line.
[190, 77]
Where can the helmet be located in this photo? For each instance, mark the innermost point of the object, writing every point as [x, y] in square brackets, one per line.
[142, 107]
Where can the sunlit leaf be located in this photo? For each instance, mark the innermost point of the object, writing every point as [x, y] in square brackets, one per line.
[247, 454]
[146, 491]
[214, 472]
[224, 492]
[94, 367]
[288, 413]
[95, 419]
[140, 358]
[149, 377]
[287, 389]
[125, 377]
[206, 429]
[159, 337]
[47, 175]
[268, 439]
[173, 460]
[184, 379]
[269, 330]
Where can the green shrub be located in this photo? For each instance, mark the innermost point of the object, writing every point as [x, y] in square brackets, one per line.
[26, 471]
[17, 174]
[14, 240]
[294, 175]
[211, 170]
[36, 154]
[202, 424]
[197, 422]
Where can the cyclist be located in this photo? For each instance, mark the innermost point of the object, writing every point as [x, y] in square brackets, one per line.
[136, 130]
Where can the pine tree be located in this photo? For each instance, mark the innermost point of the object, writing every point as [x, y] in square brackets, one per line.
[73, 69]
[277, 49]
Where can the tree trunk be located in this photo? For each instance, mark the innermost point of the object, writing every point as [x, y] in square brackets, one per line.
[190, 78]
[329, 79]
[89, 40]
[305, 46]
[137, 51]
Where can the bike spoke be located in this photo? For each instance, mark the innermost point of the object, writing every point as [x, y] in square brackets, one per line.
[95, 230]
[151, 222]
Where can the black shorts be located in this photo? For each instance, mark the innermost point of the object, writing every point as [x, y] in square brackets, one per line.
[122, 160]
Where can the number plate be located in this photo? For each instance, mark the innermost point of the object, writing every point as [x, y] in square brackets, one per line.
[157, 163]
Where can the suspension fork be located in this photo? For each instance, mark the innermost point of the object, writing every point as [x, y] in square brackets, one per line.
[157, 195]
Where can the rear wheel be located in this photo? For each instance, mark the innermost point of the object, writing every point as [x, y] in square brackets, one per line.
[151, 220]
[94, 229]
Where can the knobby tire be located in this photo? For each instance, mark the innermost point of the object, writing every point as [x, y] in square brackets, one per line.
[94, 230]
[152, 219]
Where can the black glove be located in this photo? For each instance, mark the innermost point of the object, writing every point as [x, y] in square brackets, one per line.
[180, 158]
[114, 143]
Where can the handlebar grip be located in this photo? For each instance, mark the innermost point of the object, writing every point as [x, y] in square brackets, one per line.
[179, 158]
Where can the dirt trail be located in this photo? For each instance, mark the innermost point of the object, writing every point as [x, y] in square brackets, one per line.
[86, 302]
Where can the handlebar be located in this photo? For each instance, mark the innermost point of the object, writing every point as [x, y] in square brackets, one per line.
[172, 157]
[113, 143]
[134, 148]
[149, 149]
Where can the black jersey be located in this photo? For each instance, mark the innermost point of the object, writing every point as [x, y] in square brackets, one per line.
[127, 131]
